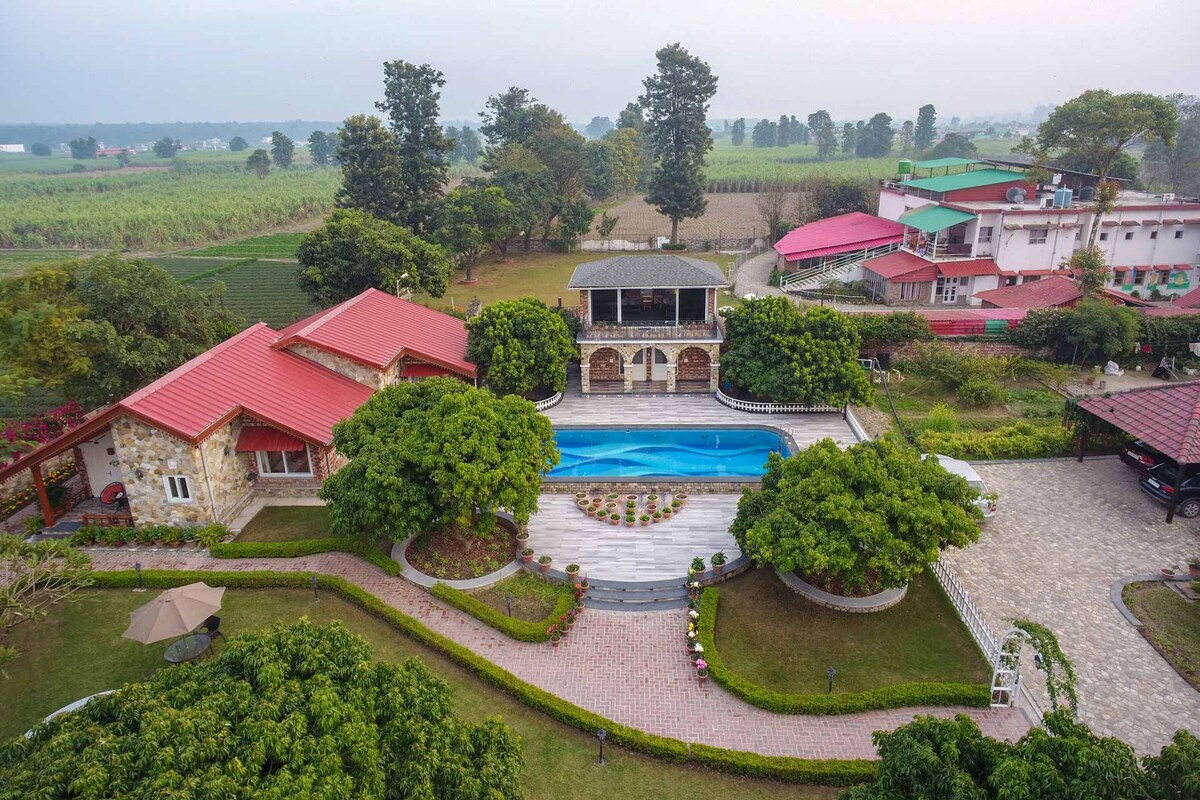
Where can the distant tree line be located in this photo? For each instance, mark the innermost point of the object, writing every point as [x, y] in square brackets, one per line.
[124, 134]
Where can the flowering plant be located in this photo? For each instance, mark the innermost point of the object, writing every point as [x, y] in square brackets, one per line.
[553, 629]
[691, 634]
[701, 663]
[699, 648]
[693, 613]
[695, 584]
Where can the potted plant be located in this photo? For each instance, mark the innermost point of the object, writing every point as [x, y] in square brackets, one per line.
[584, 506]
[172, 538]
[601, 515]
[697, 567]
[631, 505]
[544, 564]
[632, 498]
[630, 520]
[553, 633]
[667, 511]
[697, 652]
[522, 538]
[656, 516]
[563, 627]
[651, 498]
[527, 555]
[590, 511]
[676, 505]
[612, 495]
[718, 562]
[581, 495]
[644, 519]
[614, 518]
[113, 537]
[702, 671]
[572, 571]
[1194, 568]
[681, 498]
[596, 501]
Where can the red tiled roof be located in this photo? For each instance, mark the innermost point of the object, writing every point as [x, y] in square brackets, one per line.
[376, 328]
[1165, 417]
[841, 234]
[1189, 300]
[1047, 293]
[266, 438]
[902, 264]
[247, 374]
[964, 269]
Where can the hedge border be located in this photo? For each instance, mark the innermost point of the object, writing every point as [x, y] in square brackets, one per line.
[520, 629]
[305, 547]
[899, 696]
[826, 772]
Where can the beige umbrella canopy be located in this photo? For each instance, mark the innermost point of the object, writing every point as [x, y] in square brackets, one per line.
[175, 612]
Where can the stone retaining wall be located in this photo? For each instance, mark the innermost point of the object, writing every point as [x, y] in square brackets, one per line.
[855, 605]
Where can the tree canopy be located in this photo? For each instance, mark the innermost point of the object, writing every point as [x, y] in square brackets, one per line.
[237, 144]
[425, 455]
[947, 759]
[821, 125]
[470, 220]
[521, 345]
[676, 106]
[870, 517]
[283, 150]
[322, 148]
[738, 135]
[954, 145]
[875, 139]
[355, 251]
[84, 148]
[1176, 167]
[925, 132]
[259, 162]
[411, 102]
[778, 352]
[299, 710]
[166, 147]
[372, 175]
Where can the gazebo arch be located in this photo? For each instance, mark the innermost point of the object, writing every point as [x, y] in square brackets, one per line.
[605, 364]
[694, 364]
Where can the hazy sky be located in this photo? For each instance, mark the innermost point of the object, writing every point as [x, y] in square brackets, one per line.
[215, 60]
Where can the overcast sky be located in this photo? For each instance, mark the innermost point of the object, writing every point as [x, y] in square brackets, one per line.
[249, 60]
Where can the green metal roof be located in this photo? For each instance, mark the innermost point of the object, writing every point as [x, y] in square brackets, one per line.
[932, 219]
[965, 180]
[946, 162]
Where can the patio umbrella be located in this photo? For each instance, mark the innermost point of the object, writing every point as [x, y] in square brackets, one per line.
[175, 612]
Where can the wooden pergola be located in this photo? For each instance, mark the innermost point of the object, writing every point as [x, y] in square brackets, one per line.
[1165, 417]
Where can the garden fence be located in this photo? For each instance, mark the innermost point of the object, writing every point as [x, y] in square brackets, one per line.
[970, 614]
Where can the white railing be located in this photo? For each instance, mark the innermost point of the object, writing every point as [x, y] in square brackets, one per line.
[804, 277]
[968, 612]
[773, 408]
[549, 402]
[860, 433]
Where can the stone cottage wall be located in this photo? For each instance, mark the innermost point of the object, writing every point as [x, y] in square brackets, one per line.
[367, 376]
[155, 454]
[226, 471]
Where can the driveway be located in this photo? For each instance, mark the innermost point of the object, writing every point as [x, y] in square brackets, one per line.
[1064, 534]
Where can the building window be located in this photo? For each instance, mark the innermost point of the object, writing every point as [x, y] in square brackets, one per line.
[910, 291]
[282, 462]
[1178, 234]
[985, 234]
[1139, 277]
[1153, 234]
[1038, 235]
[1104, 237]
[179, 489]
[1128, 235]
[1010, 281]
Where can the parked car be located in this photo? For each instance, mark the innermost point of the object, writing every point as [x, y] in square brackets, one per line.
[1159, 483]
[964, 470]
[1142, 456]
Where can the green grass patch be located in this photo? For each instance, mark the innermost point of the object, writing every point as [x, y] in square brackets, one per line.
[272, 245]
[772, 637]
[12, 261]
[184, 267]
[558, 759]
[533, 598]
[263, 291]
[287, 524]
[1170, 623]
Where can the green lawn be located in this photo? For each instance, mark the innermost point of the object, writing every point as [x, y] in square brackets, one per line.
[770, 635]
[287, 524]
[1171, 623]
[532, 597]
[272, 245]
[77, 651]
[1027, 400]
[541, 275]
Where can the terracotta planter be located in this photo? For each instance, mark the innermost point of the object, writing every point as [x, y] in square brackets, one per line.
[629, 523]
[644, 522]
[563, 630]
[615, 520]
[584, 506]
[554, 640]
[651, 508]
[702, 676]
[656, 519]
[544, 567]
[572, 575]
[718, 569]
[526, 559]
[1167, 573]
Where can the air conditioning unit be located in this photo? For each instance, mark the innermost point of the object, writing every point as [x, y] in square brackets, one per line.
[1047, 202]
[1169, 196]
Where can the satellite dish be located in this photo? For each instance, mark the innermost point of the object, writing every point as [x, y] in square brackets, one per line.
[1015, 195]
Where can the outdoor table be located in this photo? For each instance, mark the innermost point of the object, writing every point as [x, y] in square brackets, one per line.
[189, 648]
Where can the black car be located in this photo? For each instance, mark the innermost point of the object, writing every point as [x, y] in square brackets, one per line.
[1159, 483]
[1142, 456]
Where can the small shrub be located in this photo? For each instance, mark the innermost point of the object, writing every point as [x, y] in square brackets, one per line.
[1019, 440]
[33, 525]
[697, 564]
[979, 391]
[942, 418]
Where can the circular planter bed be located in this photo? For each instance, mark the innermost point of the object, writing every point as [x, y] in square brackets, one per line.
[861, 604]
[441, 554]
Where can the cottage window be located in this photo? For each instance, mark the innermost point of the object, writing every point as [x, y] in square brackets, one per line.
[1153, 234]
[910, 291]
[179, 489]
[1038, 235]
[1178, 234]
[1128, 235]
[284, 462]
[1104, 237]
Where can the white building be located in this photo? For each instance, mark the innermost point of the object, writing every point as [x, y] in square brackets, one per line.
[12, 148]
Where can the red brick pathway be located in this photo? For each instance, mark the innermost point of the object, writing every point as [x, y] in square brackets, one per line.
[628, 667]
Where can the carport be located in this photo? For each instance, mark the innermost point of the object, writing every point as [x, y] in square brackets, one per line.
[1165, 417]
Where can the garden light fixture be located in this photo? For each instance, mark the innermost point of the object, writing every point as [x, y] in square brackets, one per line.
[600, 734]
[831, 672]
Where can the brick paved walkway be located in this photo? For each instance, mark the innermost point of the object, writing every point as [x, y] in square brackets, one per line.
[628, 667]
[1065, 533]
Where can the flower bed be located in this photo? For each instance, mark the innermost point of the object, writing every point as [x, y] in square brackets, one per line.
[441, 554]
[27, 495]
[519, 629]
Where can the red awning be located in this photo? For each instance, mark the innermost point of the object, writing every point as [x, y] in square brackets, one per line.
[423, 371]
[263, 437]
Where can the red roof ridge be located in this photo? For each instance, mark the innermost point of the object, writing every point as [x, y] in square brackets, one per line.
[322, 317]
[190, 364]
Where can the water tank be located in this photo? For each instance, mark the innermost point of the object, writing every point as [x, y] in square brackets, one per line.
[1062, 198]
[1087, 194]
[906, 167]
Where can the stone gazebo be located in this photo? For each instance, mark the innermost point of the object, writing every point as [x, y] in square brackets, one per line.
[650, 324]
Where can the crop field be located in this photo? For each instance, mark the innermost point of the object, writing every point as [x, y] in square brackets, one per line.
[156, 210]
[263, 290]
[62, 162]
[273, 245]
[16, 260]
[729, 215]
[181, 267]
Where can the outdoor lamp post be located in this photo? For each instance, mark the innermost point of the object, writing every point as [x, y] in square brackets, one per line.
[141, 587]
[508, 598]
[600, 734]
[313, 581]
[831, 672]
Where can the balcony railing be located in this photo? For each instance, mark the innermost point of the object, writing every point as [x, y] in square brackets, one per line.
[936, 250]
[652, 330]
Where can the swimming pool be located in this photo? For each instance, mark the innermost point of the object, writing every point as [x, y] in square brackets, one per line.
[665, 452]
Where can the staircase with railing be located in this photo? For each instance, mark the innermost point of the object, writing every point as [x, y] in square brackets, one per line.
[832, 269]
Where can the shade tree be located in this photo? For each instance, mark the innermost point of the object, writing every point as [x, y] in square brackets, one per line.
[322, 147]
[166, 147]
[259, 162]
[411, 104]
[237, 144]
[372, 174]
[924, 133]
[470, 220]
[283, 150]
[520, 346]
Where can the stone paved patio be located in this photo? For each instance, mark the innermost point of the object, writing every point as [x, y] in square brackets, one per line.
[627, 667]
[655, 552]
[1064, 534]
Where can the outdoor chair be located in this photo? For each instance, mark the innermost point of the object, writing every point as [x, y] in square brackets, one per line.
[211, 628]
[113, 498]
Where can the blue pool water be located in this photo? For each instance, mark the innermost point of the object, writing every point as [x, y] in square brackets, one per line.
[665, 452]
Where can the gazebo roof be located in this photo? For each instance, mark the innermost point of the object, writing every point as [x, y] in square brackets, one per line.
[1165, 417]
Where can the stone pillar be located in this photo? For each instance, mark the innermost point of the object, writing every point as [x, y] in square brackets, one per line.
[671, 377]
[585, 381]
[714, 377]
[627, 367]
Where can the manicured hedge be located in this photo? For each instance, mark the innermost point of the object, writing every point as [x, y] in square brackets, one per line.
[898, 696]
[519, 629]
[835, 773]
[305, 547]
